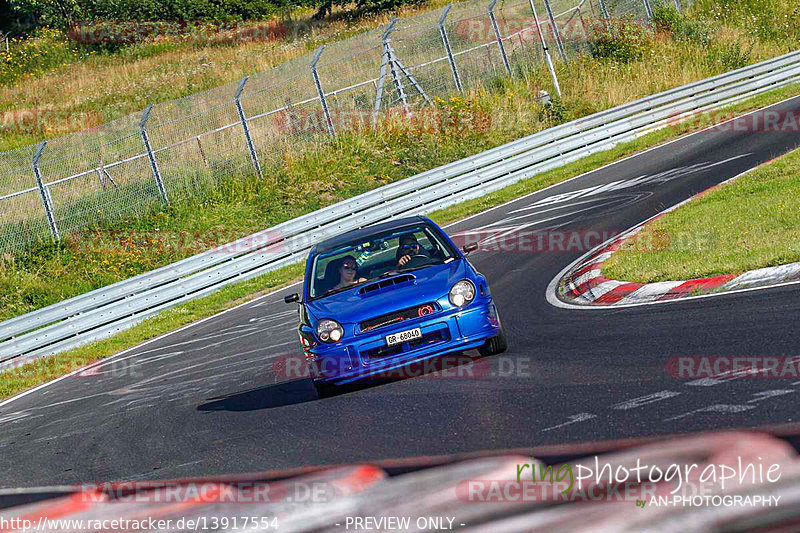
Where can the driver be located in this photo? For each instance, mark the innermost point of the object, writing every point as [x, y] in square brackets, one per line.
[409, 247]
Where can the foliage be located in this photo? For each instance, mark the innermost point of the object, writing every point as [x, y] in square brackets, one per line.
[728, 56]
[680, 26]
[624, 42]
[60, 13]
[45, 49]
[775, 21]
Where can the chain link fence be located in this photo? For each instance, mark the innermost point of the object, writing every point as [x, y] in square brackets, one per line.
[177, 149]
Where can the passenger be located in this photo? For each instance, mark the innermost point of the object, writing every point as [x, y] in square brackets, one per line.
[348, 270]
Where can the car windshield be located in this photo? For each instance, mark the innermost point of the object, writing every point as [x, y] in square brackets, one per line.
[380, 255]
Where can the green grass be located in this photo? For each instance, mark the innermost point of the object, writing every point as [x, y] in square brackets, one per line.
[752, 222]
[18, 380]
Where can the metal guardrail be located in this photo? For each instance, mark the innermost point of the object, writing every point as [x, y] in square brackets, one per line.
[106, 311]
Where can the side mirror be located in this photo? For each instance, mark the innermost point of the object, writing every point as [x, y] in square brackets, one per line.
[294, 297]
[470, 247]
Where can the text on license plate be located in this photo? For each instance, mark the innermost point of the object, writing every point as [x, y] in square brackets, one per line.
[403, 336]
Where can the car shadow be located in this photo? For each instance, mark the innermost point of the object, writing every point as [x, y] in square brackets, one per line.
[300, 391]
[278, 395]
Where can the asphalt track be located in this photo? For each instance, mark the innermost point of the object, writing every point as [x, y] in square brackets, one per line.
[205, 400]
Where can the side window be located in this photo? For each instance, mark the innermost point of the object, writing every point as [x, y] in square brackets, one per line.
[326, 275]
[423, 240]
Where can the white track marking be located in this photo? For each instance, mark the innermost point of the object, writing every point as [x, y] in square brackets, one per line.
[645, 400]
[764, 395]
[574, 419]
[718, 408]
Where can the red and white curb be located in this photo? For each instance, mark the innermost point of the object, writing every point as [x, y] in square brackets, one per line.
[584, 284]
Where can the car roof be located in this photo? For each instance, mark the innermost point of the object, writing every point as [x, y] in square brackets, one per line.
[368, 231]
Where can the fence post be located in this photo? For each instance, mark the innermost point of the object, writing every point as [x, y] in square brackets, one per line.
[556, 33]
[606, 15]
[243, 119]
[492, 5]
[321, 93]
[446, 43]
[44, 192]
[546, 50]
[153, 163]
[648, 10]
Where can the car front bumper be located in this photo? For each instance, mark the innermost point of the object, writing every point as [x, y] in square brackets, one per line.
[366, 355]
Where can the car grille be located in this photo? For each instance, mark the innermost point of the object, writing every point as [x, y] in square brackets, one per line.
[441, 335]
[398, 316]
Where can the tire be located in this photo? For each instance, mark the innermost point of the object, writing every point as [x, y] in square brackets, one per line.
[494, 345]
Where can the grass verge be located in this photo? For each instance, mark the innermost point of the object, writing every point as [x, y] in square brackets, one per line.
[751, 222]
[20, 379]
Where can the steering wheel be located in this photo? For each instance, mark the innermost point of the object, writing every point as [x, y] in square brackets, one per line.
[416, 261]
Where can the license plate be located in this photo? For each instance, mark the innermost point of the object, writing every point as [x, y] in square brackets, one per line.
[403, 336]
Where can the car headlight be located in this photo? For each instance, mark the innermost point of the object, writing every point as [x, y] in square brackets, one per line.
[329, 330]
[462, 293]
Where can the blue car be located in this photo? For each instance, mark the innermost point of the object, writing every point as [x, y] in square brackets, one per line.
[388, 296]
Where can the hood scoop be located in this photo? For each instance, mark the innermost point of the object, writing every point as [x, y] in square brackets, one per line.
[385, 283]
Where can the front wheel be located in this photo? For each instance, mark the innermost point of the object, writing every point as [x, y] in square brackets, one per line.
[494, 345]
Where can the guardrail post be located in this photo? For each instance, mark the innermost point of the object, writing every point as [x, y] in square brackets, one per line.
[243, 119]
[556, 33]
[545, 50]
[153, 163]
[44, 192]
[320, 92]
[497, 35]
[446, 43]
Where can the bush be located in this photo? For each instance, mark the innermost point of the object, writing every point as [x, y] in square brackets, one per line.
[728, 56]
[554, 112]
[60, 13]
[362, 7]
[46, 49]
[624, 43]
[667, 19]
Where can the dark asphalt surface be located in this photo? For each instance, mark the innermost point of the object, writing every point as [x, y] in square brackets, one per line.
[206, 401]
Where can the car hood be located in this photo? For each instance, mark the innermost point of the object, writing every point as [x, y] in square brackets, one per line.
[428, 284]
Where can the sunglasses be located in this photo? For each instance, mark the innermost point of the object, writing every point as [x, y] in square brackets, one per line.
[409, 246]
[349, 267]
